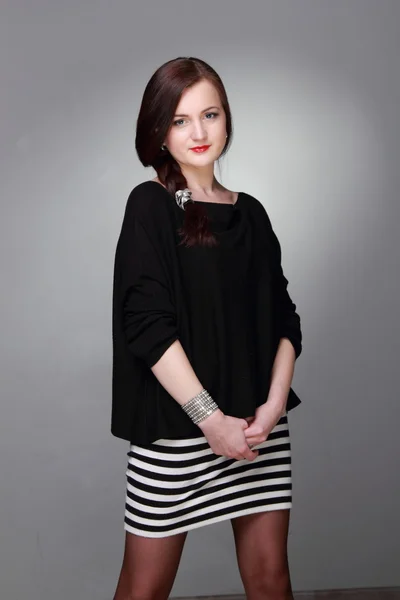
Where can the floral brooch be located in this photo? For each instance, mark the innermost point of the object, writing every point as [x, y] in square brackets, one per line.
[182, 197]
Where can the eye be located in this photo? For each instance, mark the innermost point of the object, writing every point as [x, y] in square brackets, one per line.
[213, 114]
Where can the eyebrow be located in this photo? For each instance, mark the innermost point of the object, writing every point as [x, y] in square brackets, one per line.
[209, 108]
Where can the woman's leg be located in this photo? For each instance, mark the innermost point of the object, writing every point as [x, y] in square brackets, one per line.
[261, 550]
[149, 567]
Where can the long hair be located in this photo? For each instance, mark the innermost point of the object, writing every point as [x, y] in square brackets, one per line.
[160, 100]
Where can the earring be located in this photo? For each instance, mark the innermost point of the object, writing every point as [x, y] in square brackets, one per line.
[163, 147]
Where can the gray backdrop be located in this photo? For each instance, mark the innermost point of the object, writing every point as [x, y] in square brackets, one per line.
[314, 88]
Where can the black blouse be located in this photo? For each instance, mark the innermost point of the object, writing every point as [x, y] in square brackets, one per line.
[228, 305]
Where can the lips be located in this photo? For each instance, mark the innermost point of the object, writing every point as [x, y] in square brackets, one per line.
[200, 148]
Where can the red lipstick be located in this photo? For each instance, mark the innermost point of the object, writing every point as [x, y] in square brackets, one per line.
[200, 149]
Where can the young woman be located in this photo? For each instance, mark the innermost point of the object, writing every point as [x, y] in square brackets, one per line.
[205, 338]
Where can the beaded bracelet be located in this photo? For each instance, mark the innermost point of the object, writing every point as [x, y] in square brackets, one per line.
[200, 407]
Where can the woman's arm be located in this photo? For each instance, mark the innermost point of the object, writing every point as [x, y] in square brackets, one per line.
[287, 329]
[287, 319]
[268, 414]
[282, 375]
[175, 373]
[149, 319]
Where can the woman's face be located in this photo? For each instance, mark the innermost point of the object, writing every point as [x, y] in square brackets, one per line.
[199, 121]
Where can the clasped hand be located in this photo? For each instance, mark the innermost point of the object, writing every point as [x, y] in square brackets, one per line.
[260, 426]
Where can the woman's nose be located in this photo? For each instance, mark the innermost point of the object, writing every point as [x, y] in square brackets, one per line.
[198, 132]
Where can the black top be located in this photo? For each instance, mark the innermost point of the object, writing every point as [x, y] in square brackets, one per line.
[228, 305]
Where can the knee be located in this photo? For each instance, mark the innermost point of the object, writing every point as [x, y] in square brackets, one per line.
[144, 596]
[270, 582]
[138, 594]
[132, 588]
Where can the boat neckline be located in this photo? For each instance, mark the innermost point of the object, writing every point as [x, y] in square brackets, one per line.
[233, 205]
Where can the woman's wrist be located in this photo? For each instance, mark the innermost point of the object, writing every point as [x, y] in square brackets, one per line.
[277, 405]
[200, 407]
[212, 420]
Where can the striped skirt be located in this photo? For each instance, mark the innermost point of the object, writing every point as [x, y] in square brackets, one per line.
[177, 485]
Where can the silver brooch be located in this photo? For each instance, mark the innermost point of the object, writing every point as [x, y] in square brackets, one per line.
[183, 196]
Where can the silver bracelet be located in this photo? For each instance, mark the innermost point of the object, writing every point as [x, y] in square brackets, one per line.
[200, 407]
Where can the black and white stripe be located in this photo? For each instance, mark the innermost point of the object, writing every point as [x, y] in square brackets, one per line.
[178, 485]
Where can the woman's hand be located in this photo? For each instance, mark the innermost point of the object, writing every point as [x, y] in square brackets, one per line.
[260, 426]
[225, 436]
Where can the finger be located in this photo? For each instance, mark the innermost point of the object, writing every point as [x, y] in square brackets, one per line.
[250, 454]
[254, 445]
[253, 431]
[252, 440]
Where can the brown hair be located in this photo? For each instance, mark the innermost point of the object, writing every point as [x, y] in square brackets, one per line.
[160, 100]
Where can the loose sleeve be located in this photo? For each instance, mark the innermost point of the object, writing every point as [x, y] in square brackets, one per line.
[288, 320]
[147, 309]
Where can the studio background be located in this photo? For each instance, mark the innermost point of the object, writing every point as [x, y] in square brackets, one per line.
[314, 88]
